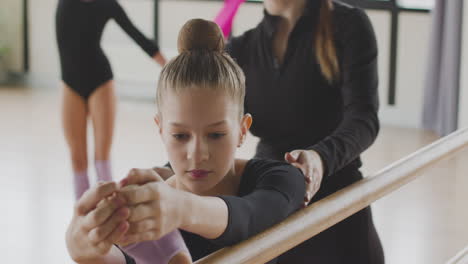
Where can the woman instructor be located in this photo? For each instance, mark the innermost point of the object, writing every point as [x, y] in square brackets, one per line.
[311, 78]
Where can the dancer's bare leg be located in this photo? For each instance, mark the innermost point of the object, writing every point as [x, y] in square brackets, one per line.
[102, 106]
[74, 121]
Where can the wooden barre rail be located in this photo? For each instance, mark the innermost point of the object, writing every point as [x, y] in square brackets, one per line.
[460, 258]
[334, 208]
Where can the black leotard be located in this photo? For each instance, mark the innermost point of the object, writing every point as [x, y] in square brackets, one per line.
[269, 191]
[79, 27]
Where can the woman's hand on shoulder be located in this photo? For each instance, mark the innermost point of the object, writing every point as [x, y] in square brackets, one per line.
[156, 208]
[99, 221]
[310, 163]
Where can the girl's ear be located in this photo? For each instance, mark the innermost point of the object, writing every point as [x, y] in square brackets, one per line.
[246, 122]
[157, 120]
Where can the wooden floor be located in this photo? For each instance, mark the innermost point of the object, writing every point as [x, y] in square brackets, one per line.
[424, 222]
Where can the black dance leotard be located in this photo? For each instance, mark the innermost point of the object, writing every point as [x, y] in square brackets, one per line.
[268, 193]
[79, 27]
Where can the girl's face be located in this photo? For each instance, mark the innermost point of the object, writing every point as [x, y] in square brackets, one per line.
[201, 130]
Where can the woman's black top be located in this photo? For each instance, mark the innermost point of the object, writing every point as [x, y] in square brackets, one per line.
[294, 107]
[269, 191]
[79, 28]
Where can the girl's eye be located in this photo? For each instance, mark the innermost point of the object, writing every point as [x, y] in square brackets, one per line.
[216, 135]
[180, 136]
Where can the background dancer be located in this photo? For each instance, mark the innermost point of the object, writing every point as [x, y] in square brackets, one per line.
[87, 80]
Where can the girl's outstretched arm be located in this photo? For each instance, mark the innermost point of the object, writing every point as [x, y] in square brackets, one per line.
[158, 209]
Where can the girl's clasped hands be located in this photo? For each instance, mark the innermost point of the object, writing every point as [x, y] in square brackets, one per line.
[142, 207]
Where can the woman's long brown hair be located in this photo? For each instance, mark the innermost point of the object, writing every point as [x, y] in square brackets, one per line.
[324, 42]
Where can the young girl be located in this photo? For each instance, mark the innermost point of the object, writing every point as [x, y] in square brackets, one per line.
[215, 199]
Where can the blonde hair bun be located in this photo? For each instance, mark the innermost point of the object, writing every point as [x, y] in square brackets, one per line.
[200, 34]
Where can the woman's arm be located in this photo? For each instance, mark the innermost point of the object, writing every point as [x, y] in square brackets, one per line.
[359, 82]
[124, 22]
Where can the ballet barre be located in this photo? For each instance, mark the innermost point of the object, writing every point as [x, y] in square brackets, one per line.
[325, 213]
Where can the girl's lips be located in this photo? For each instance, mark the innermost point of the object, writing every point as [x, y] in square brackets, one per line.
[198, 174]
